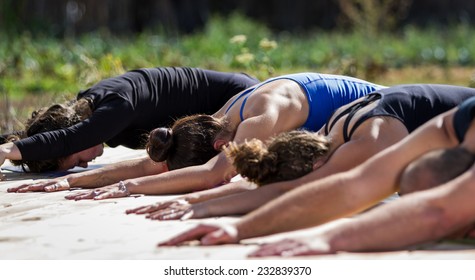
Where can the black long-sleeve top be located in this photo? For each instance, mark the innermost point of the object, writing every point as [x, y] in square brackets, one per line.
[129, 106]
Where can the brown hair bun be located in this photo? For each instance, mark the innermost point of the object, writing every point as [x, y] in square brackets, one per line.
[160, 144]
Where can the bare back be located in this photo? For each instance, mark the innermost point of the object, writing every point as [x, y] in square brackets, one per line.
[278, 106]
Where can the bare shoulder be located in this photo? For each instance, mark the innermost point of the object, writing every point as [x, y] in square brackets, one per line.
[281, 96]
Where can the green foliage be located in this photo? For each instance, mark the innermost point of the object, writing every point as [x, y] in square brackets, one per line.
[36, 65]
[372, 17]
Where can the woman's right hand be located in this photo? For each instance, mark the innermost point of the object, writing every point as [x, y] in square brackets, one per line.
[53, 185]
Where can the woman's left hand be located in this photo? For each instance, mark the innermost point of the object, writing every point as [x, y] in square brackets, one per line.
[113, 191]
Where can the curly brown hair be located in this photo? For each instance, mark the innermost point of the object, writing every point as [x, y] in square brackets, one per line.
[55, 117]
[190, 141]
[285, 157]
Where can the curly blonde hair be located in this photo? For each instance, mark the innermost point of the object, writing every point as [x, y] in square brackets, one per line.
[287, 156]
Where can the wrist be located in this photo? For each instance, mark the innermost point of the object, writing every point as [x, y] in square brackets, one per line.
[123, 188]
[192, 198]
[73, 180]
[241, 232]
[131, 186]
[334, 241]
[200, 210]
[10, 151]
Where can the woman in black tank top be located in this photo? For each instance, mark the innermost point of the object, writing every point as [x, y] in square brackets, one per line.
[359, 130]
[353, 134]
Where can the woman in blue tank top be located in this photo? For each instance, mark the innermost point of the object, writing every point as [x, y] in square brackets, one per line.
[192, 146]
[442, 207]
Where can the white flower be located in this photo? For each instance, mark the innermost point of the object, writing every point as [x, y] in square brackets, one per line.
[267, 44]
[238, 39]
[245, 58]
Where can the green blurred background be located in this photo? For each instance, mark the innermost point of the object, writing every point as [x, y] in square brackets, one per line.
[50, 49]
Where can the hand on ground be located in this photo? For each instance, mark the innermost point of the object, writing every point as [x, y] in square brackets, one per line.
[206, 234]
[292, 247]
[99, 193]
[147, 209]
[182, 211]
[53, 185]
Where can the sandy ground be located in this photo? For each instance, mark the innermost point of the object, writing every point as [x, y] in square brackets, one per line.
[46, 226]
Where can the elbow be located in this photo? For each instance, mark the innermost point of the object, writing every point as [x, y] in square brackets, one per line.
[448, 129]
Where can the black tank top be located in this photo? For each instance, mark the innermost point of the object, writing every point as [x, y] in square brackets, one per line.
[413, 105]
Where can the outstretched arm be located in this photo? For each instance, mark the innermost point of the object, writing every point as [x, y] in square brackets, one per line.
[184, 180]
[222, 191]
[420, 217]
[107, 175]
[98, 177]
[188, 202]
[234, 204]
[414, 219]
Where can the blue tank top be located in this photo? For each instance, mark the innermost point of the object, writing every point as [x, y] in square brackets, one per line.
[325, 93]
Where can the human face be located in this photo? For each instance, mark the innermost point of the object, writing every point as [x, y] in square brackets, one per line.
[81, 158]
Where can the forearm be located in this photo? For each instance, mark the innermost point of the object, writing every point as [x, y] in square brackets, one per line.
[116, 172]
[185, 180]
[310, 205]
[179, 181]
[240, 203]
[416, 218]
[225, 190]
[389, 227]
